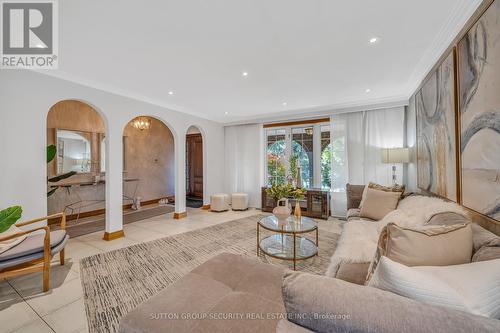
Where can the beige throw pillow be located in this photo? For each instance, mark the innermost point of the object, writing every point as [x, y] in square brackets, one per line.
[375, 186]
[425, 246]
[378, 204]
[472, 287]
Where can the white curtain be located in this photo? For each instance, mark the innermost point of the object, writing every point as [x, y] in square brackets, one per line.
[360, 137]
[244, 154]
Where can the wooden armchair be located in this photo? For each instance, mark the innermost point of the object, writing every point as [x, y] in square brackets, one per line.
[35, 252]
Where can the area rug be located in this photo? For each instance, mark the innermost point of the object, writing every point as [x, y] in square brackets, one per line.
[116, 282]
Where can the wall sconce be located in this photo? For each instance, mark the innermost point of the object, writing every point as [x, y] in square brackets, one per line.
[142, 123]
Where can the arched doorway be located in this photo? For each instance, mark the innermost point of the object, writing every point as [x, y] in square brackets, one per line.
[148, 169]
[194, 168]
[75, 168]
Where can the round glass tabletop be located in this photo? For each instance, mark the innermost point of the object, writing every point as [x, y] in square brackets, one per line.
[290, 225]
[281, 246]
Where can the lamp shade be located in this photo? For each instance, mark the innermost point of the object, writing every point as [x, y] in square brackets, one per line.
[395, 155]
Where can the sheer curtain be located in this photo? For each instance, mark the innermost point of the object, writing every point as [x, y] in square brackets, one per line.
[244, 161]
[359, 138]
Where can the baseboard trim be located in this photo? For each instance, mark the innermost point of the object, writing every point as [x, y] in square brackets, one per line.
[206, 207]
[109, 236]
[178, 216]
[96, 212]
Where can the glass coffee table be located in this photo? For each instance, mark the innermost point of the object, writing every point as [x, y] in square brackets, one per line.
[287, 241]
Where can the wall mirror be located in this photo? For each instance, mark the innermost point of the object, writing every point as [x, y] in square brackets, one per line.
[74, 151]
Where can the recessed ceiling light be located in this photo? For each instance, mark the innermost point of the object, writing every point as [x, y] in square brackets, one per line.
[368, 90]
[226, 113]
[170, 92]
[373, 40]
[244, 73]
[284, 103]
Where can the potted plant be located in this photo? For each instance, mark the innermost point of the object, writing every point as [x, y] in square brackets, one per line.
[51, 154]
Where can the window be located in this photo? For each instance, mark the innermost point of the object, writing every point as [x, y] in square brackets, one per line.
[299, 148]
[302, 155]
[276, 160]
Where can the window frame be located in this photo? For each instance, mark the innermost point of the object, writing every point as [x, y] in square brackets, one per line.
[317, 151]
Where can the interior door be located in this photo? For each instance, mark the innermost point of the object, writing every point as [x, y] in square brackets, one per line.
[194, 152]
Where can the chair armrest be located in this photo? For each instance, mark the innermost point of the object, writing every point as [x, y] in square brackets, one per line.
[53, 216]
[25, 232]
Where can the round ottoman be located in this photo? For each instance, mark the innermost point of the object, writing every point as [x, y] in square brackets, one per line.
[219, 202]
[239, 201]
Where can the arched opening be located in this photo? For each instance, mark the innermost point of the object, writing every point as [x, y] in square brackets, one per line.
[194, 167]
[75, 166]
[148, 169]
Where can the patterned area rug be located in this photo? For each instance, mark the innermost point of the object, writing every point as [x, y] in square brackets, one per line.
[115, 282]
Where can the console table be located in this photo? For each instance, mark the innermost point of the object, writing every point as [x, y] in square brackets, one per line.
[316, 203]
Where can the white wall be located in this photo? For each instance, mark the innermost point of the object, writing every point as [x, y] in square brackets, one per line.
[25, 99]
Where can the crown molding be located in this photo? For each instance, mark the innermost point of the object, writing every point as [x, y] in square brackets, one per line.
[111, 89]
[327, 110]
[459, 16]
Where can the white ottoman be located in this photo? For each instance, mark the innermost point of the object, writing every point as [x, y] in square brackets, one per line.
[219, 202]
[239, 201]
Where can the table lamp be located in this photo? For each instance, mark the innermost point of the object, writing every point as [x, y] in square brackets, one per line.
[395, 156]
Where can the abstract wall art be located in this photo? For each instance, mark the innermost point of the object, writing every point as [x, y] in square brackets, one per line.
[436, 124]
[479, 109]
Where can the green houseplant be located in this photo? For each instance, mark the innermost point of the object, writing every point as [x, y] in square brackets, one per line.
[279, 191]
[9, 216]
[51, 154]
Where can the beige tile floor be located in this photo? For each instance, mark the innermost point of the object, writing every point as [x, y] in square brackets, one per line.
[25, 308]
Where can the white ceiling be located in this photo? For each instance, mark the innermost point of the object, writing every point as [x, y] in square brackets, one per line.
[312, 54]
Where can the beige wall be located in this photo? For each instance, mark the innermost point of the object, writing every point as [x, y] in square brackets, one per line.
[149, 156]
[75, 115]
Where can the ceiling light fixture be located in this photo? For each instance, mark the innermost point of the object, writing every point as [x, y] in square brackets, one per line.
[245, 74]
[373, 40]
[226, 113]
[284, 103]
[170, 93]
[368, 90]
[142, 123]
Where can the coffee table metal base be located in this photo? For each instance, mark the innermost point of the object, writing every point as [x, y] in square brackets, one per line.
[287, 246]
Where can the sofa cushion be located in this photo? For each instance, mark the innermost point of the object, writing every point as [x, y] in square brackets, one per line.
[354, 194]
[285, 326]
[448, 218]
[424, 246]
[481, 236]
[33, 244]
[472, 287]
[488, 251]
[345, 307]
[378, 204]
[353, 272]
[374, 186]
[227, 283]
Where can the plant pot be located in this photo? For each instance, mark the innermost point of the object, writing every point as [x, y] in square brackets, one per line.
[282, 211]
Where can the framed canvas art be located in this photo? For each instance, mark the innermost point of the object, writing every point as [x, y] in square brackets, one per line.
[479, 109]
[436, 126]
